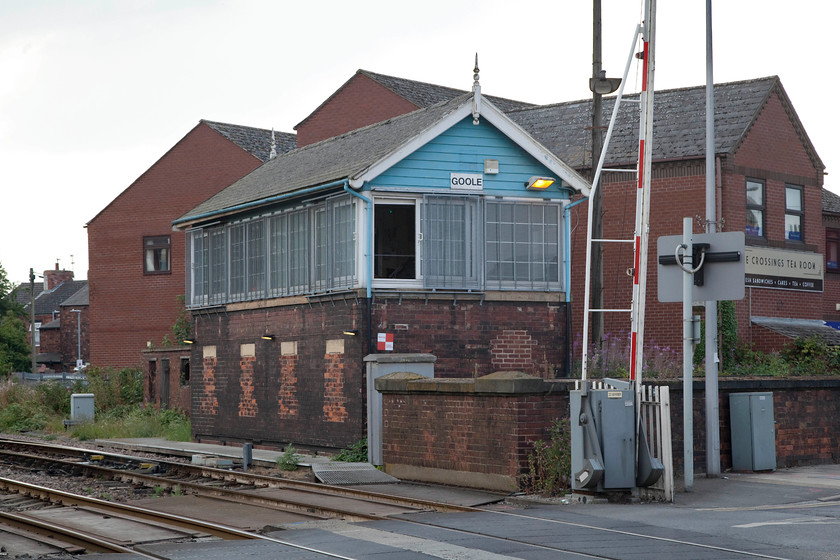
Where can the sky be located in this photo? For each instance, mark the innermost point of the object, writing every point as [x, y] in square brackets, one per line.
[93, 93]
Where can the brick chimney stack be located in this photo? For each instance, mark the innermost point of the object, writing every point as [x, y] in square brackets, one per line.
[54, 278]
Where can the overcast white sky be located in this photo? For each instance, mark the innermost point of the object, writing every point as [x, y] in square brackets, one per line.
[92, 93]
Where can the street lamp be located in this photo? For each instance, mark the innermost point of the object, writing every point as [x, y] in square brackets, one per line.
[78, 313]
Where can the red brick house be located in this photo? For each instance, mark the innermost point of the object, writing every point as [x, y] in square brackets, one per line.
[137, 264]
[769, 185]
[55, 297]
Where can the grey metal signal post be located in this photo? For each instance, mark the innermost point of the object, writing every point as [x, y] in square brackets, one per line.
[708, 267]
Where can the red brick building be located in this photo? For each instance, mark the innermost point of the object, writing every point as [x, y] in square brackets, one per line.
[136, 261]
[57, 299]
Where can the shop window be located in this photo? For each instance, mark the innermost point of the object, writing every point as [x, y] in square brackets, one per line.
[755, 208]
[156, 255]
[793, 213]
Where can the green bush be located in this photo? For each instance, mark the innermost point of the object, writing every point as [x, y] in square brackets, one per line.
[550, 461]
[20, 417]
[354, 453]
[289, 460]
[54, 396]
[112, 388]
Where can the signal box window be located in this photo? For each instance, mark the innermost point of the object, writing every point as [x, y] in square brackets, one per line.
[395, 241]
[156, 255]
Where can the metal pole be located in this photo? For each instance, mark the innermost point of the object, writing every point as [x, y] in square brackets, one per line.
[32, 320]
[597, 196]
[79, 336]
[712, 406]
[688, 354]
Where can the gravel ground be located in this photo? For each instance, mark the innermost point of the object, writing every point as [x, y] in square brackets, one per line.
[103, 489]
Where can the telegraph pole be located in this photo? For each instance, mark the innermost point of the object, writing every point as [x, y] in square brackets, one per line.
[597, 278]
[32, 319]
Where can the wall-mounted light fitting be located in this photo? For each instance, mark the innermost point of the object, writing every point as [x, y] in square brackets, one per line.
[539, 183]
[189, 341]
[351, 333]
[491, 167]
[267, 337]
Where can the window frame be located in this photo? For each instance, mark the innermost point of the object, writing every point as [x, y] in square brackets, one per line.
[417, 282]
[152, 245]
[794, 213]
[762, 208]
[832, 241]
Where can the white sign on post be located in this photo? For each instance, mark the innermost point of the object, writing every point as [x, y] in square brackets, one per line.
[723, 278]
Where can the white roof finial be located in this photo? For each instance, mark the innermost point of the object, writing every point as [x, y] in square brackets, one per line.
[273, 153]
[476, 93]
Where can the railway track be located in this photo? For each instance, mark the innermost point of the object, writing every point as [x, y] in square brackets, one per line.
[564, 534]
[305, 498]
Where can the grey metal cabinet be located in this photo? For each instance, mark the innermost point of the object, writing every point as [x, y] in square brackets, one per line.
[753, 431]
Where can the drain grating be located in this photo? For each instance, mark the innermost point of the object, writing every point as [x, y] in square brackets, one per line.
[350, 473]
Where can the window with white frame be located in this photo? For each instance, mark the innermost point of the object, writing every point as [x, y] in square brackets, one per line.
[452, 256]
[301, 250]
[522, 245]
[395, 240]
[793, 213]
[437, 242]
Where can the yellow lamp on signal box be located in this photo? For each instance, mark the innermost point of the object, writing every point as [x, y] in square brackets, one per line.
[539, 183]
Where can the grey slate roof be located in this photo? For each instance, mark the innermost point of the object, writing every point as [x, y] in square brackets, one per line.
[49, 301]
[82, 297]
[329, 160]
[255, 141]
[425, 95]
[563, 128]
[22, 292]
[799, 328]
[831, 202]
[679, 129]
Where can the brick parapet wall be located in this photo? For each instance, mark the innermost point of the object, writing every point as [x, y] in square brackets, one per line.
[478, 431]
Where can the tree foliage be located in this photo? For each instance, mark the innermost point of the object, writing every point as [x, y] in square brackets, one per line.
[14, 348]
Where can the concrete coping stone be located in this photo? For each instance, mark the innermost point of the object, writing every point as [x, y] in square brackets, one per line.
[401, 358]
[500, 382]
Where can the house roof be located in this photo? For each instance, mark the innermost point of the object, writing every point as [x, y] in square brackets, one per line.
[679, 127]
[352, 155]
[81, 297]
[424, 94]
[255, 141]
[799, 328]
[831, 202]
[49, 301]
[420, 94]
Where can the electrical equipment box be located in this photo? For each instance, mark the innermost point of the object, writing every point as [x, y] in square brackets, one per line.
[603, 438]
[753, 431]
[81, 407]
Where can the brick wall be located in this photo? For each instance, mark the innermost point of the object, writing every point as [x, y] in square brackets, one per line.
[179, 382]
[306, 386]
[473, 337]
[477, 434]
[127, 307]
[370, 101]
